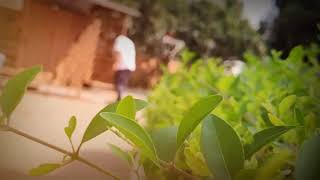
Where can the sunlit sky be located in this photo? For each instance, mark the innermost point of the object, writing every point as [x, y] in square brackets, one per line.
[255, 10]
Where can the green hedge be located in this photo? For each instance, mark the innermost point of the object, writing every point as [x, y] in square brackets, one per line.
[270, 92]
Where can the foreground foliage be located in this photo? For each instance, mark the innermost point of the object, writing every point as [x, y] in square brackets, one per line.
[208, 125]
[271, 98]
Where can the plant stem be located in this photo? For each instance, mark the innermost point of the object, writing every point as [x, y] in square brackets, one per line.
[137, 174]
[183, 173]
[72, 155]
[137, 171]
[73, 149]
[39, 141]
[172, 167]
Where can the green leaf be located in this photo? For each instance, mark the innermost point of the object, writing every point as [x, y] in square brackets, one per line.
[308, 160]
[165, 142]
[134, 132]
[265, 117]
[298, 116]
[98, 125]
[121, 154]
[126, 107]
[140, 104]
[221, 148]
[15, 88]
[271, 168]
[286, 104]
[43, 169]
[275, 120]
[71, 126]
[246, 174]
[195, 115]
[296, 54]
[310, 122]
[196, 162]
[264, 137]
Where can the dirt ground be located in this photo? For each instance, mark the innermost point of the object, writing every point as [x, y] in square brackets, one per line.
[45, 116]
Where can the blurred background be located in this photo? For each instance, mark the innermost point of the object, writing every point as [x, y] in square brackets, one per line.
[73, 41]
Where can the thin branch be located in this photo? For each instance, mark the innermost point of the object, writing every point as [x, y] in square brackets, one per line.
[72, 155]
[178, 171]
[39, 141]
[137, 164]
[73, 149]
[183, 173]
[137, 174]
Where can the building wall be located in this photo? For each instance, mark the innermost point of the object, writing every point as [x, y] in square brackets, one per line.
[111, 27]
[9, 33]
[42, 33]
[12, 4]
[47, 34]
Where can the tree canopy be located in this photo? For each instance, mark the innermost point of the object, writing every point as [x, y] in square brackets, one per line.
[206, 27]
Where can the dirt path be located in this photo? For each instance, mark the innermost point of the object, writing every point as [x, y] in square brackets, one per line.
[45, 117]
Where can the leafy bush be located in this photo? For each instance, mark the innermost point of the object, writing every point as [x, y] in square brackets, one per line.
[271, 94]
[227, 129]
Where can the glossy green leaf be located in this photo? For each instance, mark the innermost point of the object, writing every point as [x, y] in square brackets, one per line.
[127, 107]
[196, 162]
[15, 88]
[165, 142]
[195, 115]
[298, 116]
[121, 154]
[271, 168]
[98, 125]
[286, 104]
[275, 120]
[308, 161]
[140, 104]
[296, 54]
[310, 122]
[264, 137]
[246, 174]
[265, 117]
[134, 132]
[221, 148]
[43, 169]
[71, 126]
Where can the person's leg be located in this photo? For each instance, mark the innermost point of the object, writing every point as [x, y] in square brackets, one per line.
[125, 79]
[117, 83]
[121, 82]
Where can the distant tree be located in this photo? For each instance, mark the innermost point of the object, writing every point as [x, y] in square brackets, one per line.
[296, 24]
[206, 27]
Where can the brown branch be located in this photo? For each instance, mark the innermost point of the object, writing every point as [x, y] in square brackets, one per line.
[178, 171]
[72, 155]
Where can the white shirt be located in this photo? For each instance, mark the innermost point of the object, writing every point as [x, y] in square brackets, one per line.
[126, 48]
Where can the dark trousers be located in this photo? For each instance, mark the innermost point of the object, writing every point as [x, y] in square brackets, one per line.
[121, 80]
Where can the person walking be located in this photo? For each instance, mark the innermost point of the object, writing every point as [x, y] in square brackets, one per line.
[125, 60]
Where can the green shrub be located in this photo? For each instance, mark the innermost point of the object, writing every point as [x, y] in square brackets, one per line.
[204, 124]
[270, 92]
